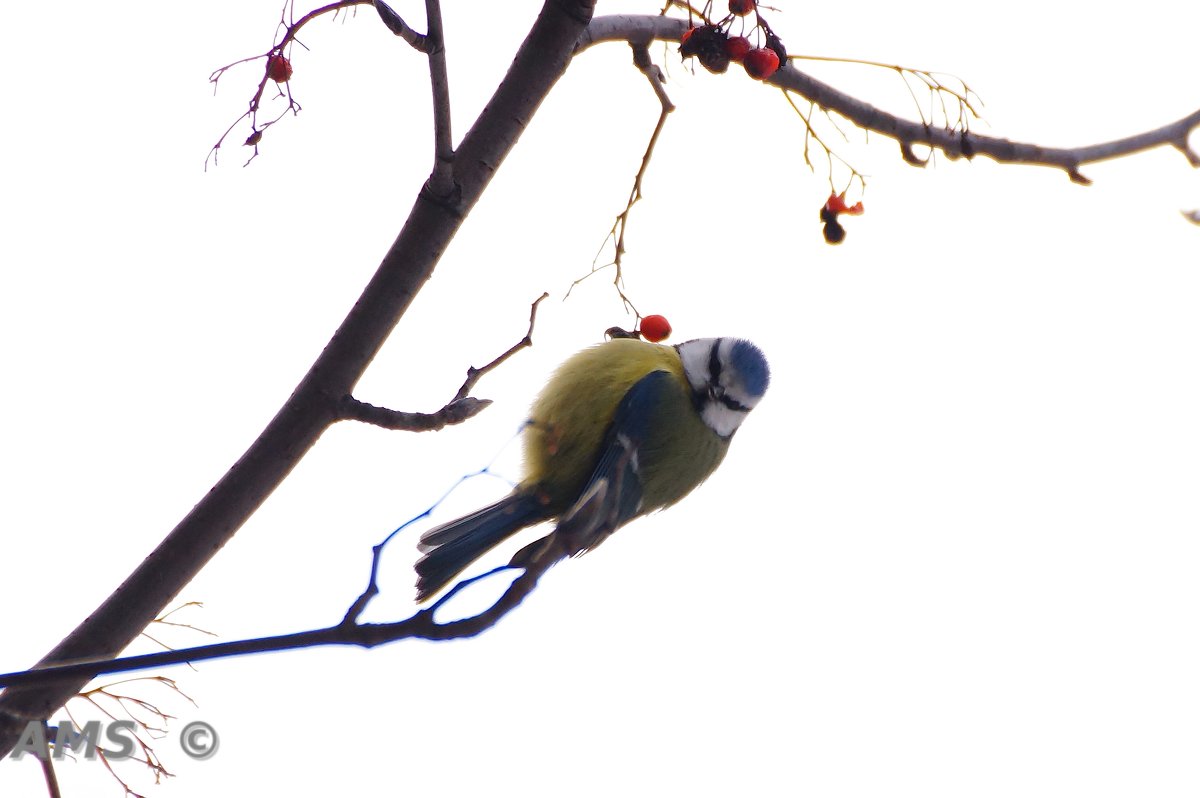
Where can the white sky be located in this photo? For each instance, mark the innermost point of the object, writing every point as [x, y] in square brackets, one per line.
[953, 553]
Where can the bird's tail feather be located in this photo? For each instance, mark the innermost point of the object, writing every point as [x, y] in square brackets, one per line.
[451, 547]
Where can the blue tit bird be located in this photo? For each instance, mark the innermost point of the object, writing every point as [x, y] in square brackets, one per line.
[622, 429]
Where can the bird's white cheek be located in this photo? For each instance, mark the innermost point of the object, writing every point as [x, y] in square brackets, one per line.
[721, 419]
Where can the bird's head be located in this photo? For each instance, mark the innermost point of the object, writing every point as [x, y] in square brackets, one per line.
[728, 377]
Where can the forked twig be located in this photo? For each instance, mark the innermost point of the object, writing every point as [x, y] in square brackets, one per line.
[641, 59]
[456, 411]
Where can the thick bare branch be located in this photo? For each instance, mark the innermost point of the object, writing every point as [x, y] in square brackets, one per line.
[954, 142]
[958, 143]
[540, 61]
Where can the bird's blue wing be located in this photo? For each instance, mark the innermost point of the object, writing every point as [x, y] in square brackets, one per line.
[613, 494]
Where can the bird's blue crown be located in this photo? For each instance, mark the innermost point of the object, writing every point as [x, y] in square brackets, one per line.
[750, 362]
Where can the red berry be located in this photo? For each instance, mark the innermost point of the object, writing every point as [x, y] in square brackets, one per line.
[741, 7]
[654, 328]
[737, 47]
[761, 63]
[836, 203]
[279, 69]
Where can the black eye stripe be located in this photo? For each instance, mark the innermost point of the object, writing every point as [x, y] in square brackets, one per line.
[715, 392]
[737, 407]
[714, 363]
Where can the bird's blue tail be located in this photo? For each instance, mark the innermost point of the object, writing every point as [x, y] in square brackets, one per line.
[451, 547]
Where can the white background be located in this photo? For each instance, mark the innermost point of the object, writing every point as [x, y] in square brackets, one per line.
[954, 552]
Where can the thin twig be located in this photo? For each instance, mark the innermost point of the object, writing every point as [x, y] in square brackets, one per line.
[967, 97]
[52, 788]
[810, 133]
[421, 625]
[396, 24]
[474, 375]
[642, 60]
[291, 29]
[455, 412]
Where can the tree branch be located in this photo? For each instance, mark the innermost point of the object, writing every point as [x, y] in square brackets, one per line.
[421, 624]
[955, 143]
[541, 60]
[456, 411]
[441, 182]
[474, 375]
[573, 534]
[396, 24]
[291, 29]
[562, 28]
[642, 60]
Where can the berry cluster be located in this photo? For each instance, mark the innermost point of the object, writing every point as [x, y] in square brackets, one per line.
[715, 47]
[834, 207]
